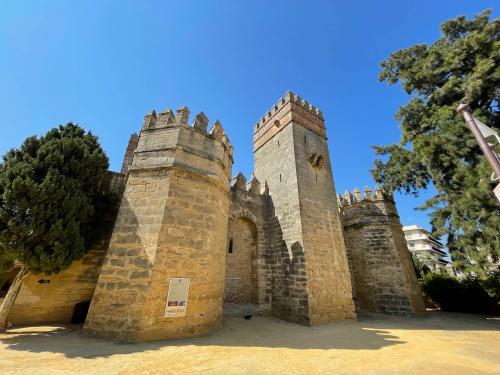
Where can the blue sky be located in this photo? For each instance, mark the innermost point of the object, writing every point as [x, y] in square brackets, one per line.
[104, 64]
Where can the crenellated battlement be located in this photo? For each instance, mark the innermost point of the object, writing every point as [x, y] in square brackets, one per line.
[288, 97]
[253, 187]
[369, 206]
[368, 194]
[190, 240]
[290, 108]
[167, 119]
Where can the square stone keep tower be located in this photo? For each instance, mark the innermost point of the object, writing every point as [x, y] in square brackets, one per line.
[171, 232]
[311, 280]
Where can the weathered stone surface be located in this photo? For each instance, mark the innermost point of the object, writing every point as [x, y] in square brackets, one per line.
[383, 273]
[276, 241]
[310, 274]
[54, 299]
[172, 223]
[129, 153]
[242, 247]
[248, 235]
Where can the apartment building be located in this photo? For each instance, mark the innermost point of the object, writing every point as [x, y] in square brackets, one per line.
[427, 247]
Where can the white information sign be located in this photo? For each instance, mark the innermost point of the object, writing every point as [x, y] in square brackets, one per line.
[177, 298]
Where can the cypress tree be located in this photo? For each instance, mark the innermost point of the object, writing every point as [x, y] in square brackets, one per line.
[53, 190]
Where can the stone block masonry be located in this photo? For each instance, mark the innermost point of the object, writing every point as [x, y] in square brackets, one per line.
[248, 268]
[383, 273]
[52, 298]
[282, 241]
[129, 153]
[310, 274]
[172, 223]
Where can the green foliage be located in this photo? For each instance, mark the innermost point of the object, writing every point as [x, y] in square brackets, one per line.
[6, 257]
[422, 265]
[491, 283]
[6, 263]
[54, 188]
[451, 294]
[436, 147]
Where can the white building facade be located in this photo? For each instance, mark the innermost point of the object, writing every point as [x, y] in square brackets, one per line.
[427, 248]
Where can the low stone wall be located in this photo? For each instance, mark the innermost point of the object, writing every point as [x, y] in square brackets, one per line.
[52, 298]
[48, 299]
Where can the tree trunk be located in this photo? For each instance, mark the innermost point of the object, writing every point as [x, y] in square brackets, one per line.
[11, 296]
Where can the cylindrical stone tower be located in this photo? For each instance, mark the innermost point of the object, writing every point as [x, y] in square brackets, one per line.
[382, 269]
[163, 276]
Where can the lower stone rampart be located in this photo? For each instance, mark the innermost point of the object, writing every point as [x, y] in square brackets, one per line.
[53, 298]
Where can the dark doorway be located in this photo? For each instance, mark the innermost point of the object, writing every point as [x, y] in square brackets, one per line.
[10, 279]
[4, 289]
[80, 312]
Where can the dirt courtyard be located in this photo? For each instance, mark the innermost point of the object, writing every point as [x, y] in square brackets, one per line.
[438, 344]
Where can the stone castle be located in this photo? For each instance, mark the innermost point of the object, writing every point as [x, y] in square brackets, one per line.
[187, 239]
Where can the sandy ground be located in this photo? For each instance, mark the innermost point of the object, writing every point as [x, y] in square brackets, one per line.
[438, 344]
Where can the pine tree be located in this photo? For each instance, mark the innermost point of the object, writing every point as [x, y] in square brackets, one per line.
[436, 147]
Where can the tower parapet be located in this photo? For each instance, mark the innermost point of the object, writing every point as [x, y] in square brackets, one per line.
[253, 187]
[169, 140]
[382, 270]
[356, 196]
[290, 107]
[171, 226]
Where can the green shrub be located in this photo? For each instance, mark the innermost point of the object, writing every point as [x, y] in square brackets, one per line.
[451, 294]
[492, 284]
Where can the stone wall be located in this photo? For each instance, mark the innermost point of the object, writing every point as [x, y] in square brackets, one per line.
[383, 272]
[172, 223]
[48, 299]
[129, 153]
[310, 275]
[329, 286]
[275, 166]
[179, 216]
[240, 284]
[248, 272]
[52, 298]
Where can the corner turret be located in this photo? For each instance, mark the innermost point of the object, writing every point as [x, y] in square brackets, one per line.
[382, 271]
[178, 185]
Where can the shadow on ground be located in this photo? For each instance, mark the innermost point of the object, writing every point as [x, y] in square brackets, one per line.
[370, 332]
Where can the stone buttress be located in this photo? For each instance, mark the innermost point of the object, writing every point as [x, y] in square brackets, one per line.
[307, 258]
[172, 223]
[382, 269]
